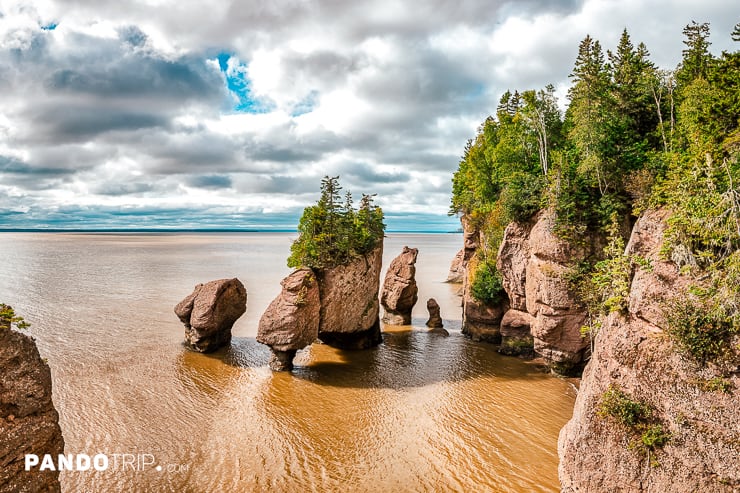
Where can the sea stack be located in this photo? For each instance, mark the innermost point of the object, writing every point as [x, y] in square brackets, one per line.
[291, 322]
[400, 293]
[435, 320]
[209, 313]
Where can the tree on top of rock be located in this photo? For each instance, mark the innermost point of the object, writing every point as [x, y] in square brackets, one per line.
[332, 232]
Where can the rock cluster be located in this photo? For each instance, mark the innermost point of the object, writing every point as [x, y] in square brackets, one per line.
[209, 313]
[29, 424]
[291, 322]
[400, 293]
[633, 354]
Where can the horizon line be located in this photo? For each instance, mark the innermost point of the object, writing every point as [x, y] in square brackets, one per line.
[190, 230]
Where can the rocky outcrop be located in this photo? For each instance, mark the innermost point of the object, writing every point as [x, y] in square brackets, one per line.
[291, 322]
[349, 315]
[632, 353]
[210, 311]
[400, 293]
[457, 268]
[435, 319]
[29, 424]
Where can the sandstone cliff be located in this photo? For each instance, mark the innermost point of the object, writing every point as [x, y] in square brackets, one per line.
[29, 424]
[541, 313]
[480, 321]
[691, 409]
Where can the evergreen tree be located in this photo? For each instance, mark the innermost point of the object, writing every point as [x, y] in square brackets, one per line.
[332, 233]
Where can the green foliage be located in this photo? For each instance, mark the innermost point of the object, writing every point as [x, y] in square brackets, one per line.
[616, 404]
[638, 417]
[700, 330]
[332, 232]
[716, 384]
[654, 437]
[487, 284]
[522, 197]
[8, 318]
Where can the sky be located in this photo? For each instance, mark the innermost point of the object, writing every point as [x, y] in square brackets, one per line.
[198, 115]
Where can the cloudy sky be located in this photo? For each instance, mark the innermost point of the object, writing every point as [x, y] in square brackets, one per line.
[194, 114]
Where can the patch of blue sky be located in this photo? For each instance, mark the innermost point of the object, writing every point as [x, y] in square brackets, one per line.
[50, 27]
[239, 85]
[306, 105]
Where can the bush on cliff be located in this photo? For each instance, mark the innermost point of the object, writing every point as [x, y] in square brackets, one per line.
[8, 318]
[332, 232]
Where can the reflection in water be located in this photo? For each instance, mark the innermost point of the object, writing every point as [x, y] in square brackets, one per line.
[421, 412]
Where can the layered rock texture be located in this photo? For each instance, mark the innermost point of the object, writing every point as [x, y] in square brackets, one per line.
[29, 424]
[632, 353]
[400, 293]
[209, 313]
[349, 316]
[291, 322]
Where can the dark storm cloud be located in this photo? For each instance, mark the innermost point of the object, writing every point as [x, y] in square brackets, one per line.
[65, 123]
[209, 181]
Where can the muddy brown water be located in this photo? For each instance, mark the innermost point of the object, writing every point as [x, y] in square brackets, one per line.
[419, 413]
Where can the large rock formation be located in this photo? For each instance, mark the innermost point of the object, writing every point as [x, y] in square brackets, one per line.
[291, 322]
[400, 293]
[210, 311]
[29, 424]
[633, 354]
[349, 316]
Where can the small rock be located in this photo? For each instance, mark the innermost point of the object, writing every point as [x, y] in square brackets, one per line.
[435, 320]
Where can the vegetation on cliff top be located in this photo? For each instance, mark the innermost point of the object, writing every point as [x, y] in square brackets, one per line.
[633, 136]
[8, 318]
[333, 232]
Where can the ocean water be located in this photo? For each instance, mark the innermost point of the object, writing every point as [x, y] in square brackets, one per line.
[419, 413]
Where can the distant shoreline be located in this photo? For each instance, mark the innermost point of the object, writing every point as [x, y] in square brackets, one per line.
[181, 231]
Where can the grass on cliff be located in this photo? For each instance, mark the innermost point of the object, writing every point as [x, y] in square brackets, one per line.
[648, 435]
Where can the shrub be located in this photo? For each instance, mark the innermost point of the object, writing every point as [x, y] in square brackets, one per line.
[619, 406]
[523, 196]
[487, 284]
[698, 330]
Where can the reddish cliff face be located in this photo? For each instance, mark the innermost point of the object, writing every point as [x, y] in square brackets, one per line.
[697, 413]
[29, 424]
[541, 314]
[350, 309]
